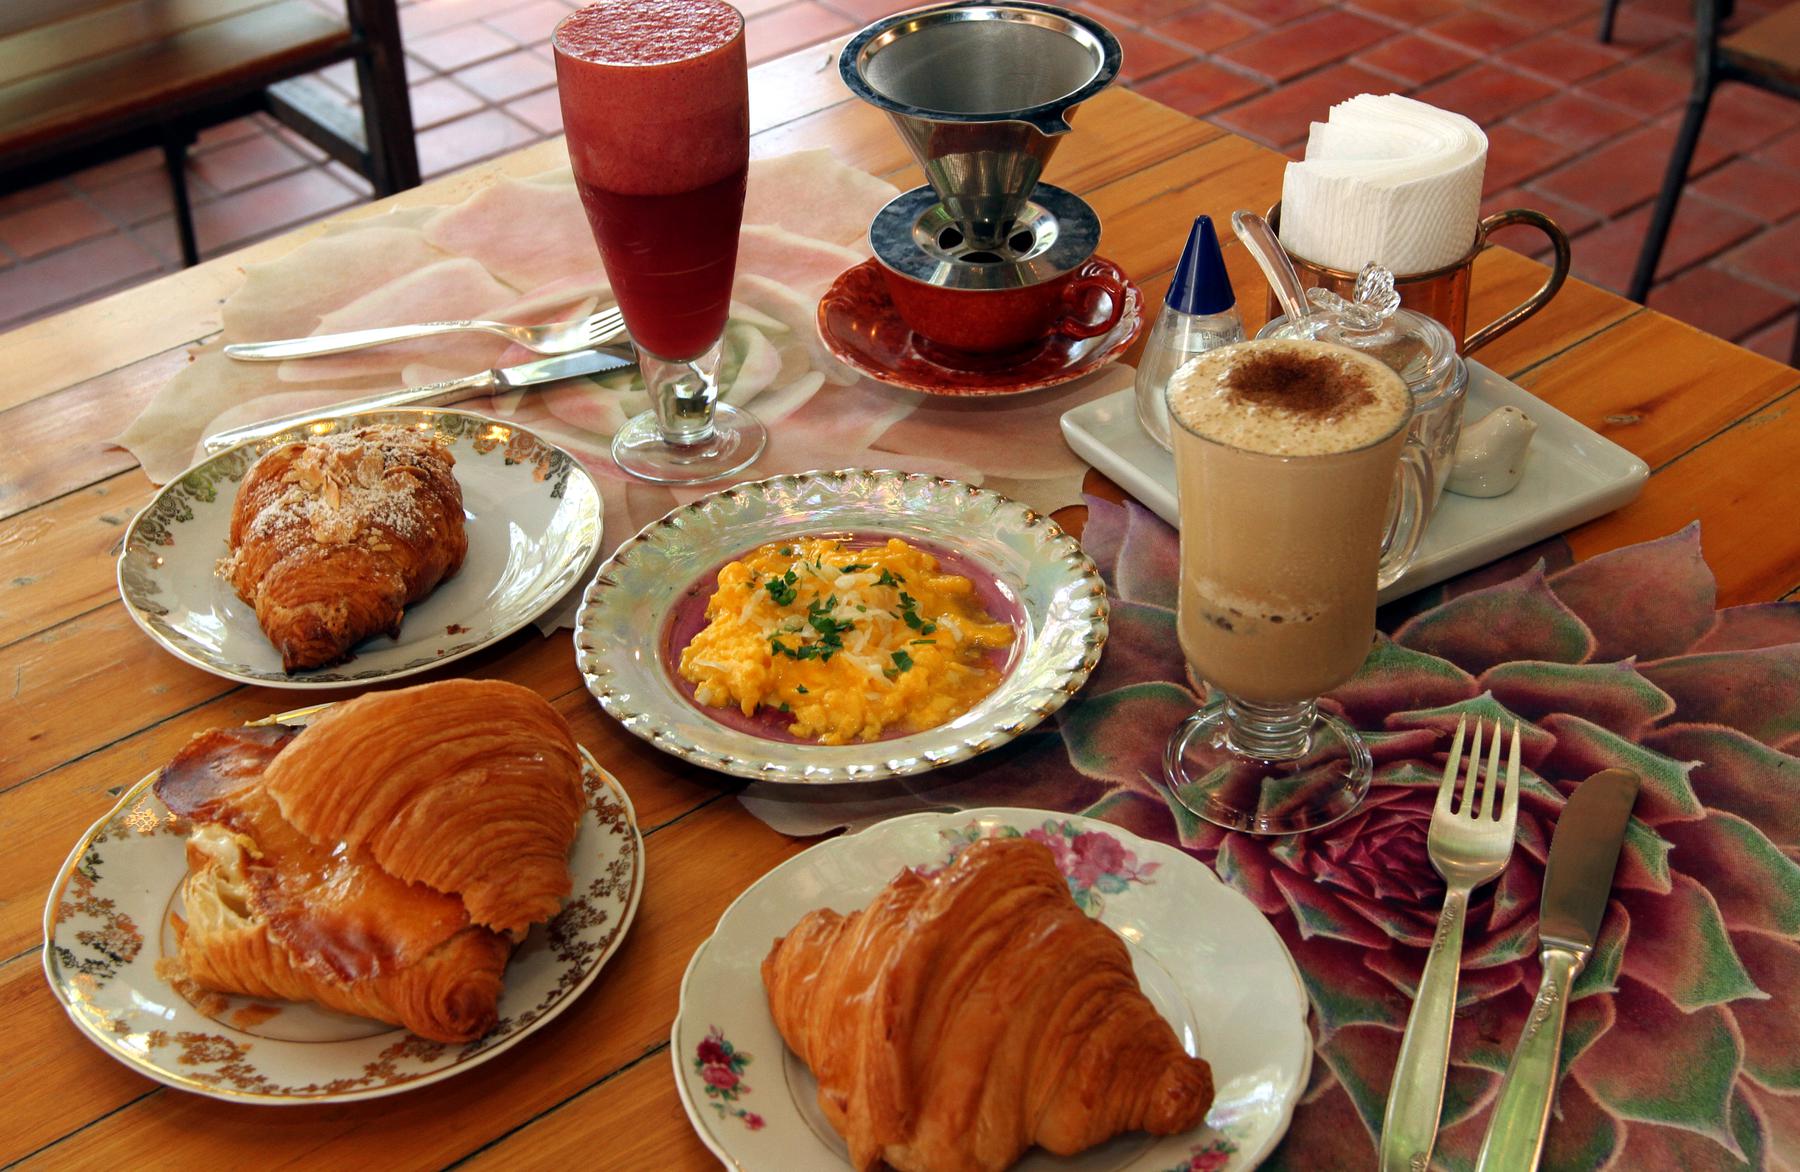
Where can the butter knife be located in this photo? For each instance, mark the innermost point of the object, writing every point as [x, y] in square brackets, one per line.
[454, 390]
[1577, 882]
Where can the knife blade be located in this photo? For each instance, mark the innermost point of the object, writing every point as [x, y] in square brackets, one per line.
[544, 370]
[1584, 852]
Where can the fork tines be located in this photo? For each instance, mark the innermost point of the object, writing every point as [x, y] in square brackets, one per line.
[1473, 773]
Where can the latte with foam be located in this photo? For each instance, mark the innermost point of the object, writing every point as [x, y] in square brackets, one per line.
[1285, 452]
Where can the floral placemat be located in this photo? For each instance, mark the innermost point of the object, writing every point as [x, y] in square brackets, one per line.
[1683, 1041]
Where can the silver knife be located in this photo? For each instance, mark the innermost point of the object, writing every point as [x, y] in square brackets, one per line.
[544, 370]
[1577, 883]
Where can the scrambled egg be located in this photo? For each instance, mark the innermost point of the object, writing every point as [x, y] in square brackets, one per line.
[848, 642]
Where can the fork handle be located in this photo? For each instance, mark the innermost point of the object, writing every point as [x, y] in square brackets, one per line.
[1409, 1128]
[339, 343]
[1515, 1135]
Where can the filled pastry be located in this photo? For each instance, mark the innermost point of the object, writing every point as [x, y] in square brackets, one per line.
[332, 538]
[963, 1017]
[385, 860]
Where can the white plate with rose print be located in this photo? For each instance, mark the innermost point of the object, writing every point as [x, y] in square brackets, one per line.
[1207, 959]
[531, 512]
[108, 923]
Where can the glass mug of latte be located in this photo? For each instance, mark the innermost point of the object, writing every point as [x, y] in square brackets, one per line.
[1286, 458]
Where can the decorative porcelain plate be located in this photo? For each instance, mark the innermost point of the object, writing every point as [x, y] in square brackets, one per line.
[107, 924]
[859, 324]
[623, 640]
[1204, 956]
[531, 511]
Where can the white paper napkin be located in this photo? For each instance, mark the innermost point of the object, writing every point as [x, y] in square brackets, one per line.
[1386, 179]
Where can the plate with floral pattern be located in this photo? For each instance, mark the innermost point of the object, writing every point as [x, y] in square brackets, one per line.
[1204, 955]
[531, 511]
[107, 925]
[625, 623]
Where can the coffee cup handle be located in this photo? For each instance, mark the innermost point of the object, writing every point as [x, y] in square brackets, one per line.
[1407, 525]
[1076, 295]
[1559, 272]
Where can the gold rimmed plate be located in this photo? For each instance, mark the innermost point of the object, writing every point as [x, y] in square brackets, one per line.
[107, 925]
[531, 511]
[1026, 558]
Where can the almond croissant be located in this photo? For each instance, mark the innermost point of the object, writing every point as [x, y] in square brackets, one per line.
[961, 1018]
[334, 537]
[274, 911]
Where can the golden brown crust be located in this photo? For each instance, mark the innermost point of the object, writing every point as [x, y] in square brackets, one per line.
[957, 1020]
[474, 793]
[333, 538]
[471, 787]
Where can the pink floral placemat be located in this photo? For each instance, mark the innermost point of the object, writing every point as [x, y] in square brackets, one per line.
[1683, 1041]
[521, 251]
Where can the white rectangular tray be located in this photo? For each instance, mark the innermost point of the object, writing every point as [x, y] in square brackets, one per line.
[1571, 475]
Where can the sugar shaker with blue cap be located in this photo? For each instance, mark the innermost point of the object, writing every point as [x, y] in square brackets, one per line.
[1199, 313]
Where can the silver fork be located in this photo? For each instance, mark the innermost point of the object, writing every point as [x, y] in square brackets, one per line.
[1468, 847]
[564, 337]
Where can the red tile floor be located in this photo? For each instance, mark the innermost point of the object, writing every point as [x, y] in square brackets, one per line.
[1576, 129]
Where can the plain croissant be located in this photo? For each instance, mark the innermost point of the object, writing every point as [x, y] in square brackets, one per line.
[961, 1018]
[333, 538]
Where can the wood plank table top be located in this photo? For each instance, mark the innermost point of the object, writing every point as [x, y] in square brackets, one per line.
[92, 705]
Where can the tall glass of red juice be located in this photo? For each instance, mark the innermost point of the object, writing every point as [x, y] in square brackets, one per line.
[656, 106]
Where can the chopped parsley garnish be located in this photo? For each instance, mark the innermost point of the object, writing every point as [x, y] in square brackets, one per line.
[781, 589]
[902, 662]
[786, 551]
[853, 567]
[784, 706]
[889, 579]
[800, 688]
[830, 631]
[909, 611]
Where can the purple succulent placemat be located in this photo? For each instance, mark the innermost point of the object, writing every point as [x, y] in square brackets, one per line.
[1683, 1040]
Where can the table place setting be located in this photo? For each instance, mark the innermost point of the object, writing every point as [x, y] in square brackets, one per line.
[1309, 804]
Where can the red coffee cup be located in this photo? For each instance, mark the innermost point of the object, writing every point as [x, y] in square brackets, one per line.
[991, 321]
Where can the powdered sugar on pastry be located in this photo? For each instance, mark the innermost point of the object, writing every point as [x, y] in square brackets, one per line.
[333, 537]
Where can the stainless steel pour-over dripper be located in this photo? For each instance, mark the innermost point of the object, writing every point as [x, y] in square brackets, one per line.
[981, 93]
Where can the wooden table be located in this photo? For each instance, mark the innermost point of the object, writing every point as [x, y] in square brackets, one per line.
[93, 705]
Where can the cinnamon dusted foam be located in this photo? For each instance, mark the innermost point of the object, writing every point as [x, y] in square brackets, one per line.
[1288, 397]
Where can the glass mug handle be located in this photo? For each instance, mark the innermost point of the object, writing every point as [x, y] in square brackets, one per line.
[1406, 527]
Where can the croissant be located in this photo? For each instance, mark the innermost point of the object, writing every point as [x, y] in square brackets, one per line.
[332, 538]
[469, 786]
[274, 911]
[961, 1018]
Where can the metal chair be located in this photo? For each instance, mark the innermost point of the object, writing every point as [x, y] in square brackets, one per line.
[1765, 54]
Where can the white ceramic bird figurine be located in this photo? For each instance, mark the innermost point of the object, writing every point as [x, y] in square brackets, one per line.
[1490, 453]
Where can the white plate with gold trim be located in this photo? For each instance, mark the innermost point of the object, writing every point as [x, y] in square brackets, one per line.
[531, 511]
[1209, 961]
[625, 617]
[107, 924]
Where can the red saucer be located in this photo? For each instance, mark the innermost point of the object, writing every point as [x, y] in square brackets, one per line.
[859, 324]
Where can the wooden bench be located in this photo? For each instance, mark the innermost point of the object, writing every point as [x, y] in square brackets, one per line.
[86, 80]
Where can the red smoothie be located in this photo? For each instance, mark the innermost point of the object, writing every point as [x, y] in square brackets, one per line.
[656, 105]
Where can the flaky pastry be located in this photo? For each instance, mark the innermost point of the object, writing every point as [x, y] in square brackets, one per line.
[961, 1018]
[273, 910]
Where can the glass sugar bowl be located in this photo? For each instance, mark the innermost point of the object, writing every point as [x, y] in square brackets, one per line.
[1418, 348]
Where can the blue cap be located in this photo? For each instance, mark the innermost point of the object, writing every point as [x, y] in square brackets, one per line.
[1201, 285]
